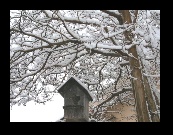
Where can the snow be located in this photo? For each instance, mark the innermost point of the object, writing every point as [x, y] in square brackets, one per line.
[103, 45]
[68, 59]
[147, 38]
[49, 13]
[151, 75]
[139, 31]
[114, 11]
[81, 53]
[129, 46]
[127, 88]
[113, 111]
[106, 35]
[109, 46]
[133, 77]
[93, 21]
[124, 63]
[72, 32]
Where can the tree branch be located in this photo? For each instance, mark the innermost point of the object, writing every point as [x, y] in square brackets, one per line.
[119, 17]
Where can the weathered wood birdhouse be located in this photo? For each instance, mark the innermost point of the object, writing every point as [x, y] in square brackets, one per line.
[76, 100]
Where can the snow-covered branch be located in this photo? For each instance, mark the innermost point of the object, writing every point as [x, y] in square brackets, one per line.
[151, 75]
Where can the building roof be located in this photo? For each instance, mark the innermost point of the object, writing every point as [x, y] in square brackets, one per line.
[85, 90]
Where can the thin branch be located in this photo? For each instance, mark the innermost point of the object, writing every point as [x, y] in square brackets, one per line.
[119, 17]
[13, 81]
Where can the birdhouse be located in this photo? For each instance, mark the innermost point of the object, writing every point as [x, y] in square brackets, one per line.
[76, 100]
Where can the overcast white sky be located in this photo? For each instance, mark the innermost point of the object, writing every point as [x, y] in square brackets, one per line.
[50, 112]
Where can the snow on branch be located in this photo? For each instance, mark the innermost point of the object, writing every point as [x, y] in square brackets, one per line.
[30, 34]
[115, 94]
[79, 20]
[133, 77]
[151, 75]
[103, 45]
[108, 35]
[124, 63]
[114, 14]
[105, 53]
[129, 46]
[127, 88]
[33, 73]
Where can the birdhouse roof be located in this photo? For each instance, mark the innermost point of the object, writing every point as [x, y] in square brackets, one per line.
[85, 90]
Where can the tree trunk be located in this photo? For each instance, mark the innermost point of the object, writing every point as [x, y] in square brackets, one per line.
[150, 99]
[138, 86]
[151, 103]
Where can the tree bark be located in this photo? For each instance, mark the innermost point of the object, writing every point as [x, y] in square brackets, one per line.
[150, 99]
[138, 86]
[151, 103]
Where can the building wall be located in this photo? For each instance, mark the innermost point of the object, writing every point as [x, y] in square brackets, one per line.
[86, 109]
[73, 90]
[75, 113]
